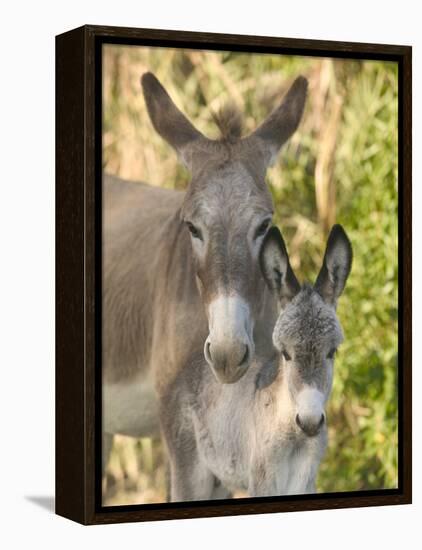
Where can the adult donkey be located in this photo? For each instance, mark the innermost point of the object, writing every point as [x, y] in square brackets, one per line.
[181, 271]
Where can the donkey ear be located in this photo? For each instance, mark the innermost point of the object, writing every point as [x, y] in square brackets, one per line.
[275, 267]
[283, 121]
[335, 267]
[168, 121]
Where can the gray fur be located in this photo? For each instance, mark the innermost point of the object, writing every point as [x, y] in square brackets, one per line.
[229, 121]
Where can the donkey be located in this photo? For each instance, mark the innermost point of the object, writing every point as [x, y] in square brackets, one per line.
[181, 274]
[266, 434]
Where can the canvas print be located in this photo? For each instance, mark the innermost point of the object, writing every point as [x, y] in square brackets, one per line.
[249, 275]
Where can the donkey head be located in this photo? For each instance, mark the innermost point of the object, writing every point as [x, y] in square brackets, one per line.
[227, 210]
[307, 332]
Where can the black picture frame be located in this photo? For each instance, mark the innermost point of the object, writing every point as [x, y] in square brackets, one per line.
[78, 273]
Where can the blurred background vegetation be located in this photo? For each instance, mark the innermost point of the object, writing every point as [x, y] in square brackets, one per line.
[340, 166]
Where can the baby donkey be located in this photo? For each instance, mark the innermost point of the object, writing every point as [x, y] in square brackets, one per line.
[265, 434]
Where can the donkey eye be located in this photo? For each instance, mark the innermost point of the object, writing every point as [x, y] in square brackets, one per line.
[286, 355]
[194, 231]
[262, 229]
[331, 353]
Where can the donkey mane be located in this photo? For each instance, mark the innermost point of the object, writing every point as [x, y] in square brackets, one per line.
[229, 121]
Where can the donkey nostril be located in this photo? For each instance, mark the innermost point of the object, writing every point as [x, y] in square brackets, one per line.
[245, 357]
[321, 422]
[208, 352]
[297, 419]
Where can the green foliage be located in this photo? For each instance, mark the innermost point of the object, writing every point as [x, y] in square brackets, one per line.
[364, 440]
[340, 166]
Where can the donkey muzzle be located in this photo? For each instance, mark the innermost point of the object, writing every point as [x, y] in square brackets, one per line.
[310, 415]
[308, 426]
[229, 347]
[228, 367]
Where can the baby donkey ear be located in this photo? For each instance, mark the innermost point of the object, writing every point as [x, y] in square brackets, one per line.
[336, 266]
[276, 269]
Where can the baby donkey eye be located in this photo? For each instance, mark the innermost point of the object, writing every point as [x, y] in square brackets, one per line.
[331, 353]
[286, 355]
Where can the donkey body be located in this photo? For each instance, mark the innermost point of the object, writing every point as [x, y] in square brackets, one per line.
[181, 276]
[267, 433]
